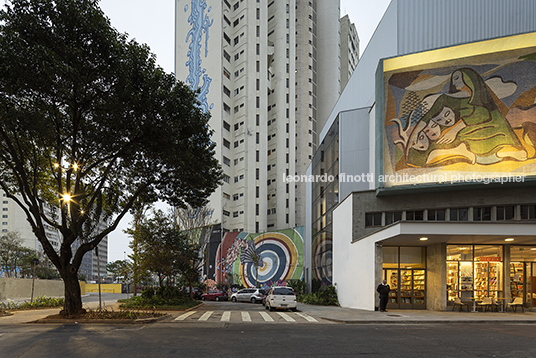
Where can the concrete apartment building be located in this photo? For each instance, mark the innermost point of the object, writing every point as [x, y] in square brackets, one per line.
[14, 220]
[349, 50]
[268, 72]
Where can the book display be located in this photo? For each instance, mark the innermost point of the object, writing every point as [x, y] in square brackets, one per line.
[488, 279]
[418, 287]
[516, 279]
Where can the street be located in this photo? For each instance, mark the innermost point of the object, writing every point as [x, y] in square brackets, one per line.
[237, 337]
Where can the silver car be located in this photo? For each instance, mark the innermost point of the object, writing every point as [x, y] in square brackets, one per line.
[252, 295]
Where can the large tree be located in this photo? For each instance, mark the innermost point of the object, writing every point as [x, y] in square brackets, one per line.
[88, 124]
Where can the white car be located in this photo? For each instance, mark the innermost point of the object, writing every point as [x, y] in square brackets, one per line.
[252, 295]
[281, 297]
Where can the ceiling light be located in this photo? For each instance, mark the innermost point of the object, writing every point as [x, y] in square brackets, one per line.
[423, 238]
[509, 239]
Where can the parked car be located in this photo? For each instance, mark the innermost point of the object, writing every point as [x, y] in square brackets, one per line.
[197, 292]
[252, 295]
[216, 295]
[281, 297]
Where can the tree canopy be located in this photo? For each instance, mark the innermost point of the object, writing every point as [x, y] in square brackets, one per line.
[89, 124]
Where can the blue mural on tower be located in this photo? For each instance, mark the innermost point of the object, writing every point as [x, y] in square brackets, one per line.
[200, 23]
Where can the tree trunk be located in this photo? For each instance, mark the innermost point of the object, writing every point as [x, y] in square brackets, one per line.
[73, 297]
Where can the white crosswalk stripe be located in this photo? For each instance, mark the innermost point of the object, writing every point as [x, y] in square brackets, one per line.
[267, 317]
[206, 316]
[286, 317]
[307, 317]
[246, 316]
[226, 316]
[184, 316]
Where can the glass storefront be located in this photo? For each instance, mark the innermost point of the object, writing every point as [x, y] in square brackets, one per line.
[404, 269]
[522, 274]
[474, 271]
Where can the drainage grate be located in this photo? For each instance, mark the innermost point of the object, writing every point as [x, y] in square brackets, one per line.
[394, 315]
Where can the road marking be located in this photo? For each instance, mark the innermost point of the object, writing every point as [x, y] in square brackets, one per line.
[206, 316]
[286, 317]
[245, 316]
[226, 316]
[184, 316]
[266, 316]
[307, 317]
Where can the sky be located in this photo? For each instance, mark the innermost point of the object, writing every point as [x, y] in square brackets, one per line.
[153, 23]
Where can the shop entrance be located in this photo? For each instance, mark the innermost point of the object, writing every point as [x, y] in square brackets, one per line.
[523, 282]
[407, 288]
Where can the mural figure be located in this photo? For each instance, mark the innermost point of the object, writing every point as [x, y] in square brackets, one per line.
[279, 254]
[478, 115]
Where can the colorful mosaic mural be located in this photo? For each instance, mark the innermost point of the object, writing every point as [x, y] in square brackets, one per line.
[473, 115]
[200, 23]
[259, 260]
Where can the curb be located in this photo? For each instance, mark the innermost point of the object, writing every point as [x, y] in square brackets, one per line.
[101, 321]
[412, 322]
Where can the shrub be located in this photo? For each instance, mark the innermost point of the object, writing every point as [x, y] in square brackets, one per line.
[299, 286]
[39, 302]
[326, 296]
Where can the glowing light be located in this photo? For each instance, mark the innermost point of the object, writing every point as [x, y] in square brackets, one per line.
[423, 238]
[66, 197]
[509, 239]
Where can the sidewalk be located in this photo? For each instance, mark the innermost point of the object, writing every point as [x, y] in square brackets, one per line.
[28, 316]
[337, 314]
[355, 316]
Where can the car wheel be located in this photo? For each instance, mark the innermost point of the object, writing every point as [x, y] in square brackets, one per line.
[270, 308]
[253, 300]
[217, 298]
[202, 298]
[266, 306]
[233, 299]
[295, 309]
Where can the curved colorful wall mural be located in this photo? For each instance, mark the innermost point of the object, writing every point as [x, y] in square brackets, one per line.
[200, 23]
[461, 113]
[259, 260]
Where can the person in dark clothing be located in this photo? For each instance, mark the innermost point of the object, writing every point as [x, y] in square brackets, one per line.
[383, 289]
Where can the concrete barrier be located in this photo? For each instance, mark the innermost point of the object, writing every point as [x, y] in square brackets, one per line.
[105, 287]
[17, 288]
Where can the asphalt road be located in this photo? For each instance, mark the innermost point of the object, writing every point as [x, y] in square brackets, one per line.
[171, 338]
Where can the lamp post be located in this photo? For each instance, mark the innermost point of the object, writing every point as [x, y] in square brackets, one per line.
[35, 262]
[98, 276]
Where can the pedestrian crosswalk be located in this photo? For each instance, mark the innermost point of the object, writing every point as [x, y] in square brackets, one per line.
[246, 316]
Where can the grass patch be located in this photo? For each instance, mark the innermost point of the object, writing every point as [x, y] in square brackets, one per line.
[144, 303]
[38, 302]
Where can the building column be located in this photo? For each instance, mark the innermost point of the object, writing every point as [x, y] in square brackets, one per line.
[436, 277]
[506, 272]
[378, 272]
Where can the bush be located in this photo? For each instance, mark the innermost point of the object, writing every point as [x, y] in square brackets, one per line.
[299, 286]
[39, 302]
[326, 296]
[155, 302]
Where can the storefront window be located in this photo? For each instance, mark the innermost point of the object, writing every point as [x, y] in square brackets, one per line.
[412, 257]
[474, 271]
[390, 257]
[459, 253]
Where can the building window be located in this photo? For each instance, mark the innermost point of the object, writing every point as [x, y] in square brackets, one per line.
[235, 197]
[226, 108]
[373, 219]
[235, 214]
[226, 56]
[436, 215]
[227, 161]
[226, 178]
[482, 214]
[528, 212]
[225, 213]
[226, 144]
[459, 214]
[226, 91]
[393, 217]
[505, 213]
[226, 126]
[226, 196]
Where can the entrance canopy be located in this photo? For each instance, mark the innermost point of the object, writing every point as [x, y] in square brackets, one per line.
[477, 233]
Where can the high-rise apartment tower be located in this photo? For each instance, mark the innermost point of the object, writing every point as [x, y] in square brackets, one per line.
[268, 72]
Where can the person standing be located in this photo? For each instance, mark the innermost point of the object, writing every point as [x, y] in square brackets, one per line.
[383, 289]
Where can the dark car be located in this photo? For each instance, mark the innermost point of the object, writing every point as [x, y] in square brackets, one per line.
[197, 292]
[216, 295]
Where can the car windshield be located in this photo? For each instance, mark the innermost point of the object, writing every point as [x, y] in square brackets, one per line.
[283, 291]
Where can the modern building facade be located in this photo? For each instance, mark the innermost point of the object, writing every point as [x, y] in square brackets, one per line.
[268, 72]
[426, 164]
